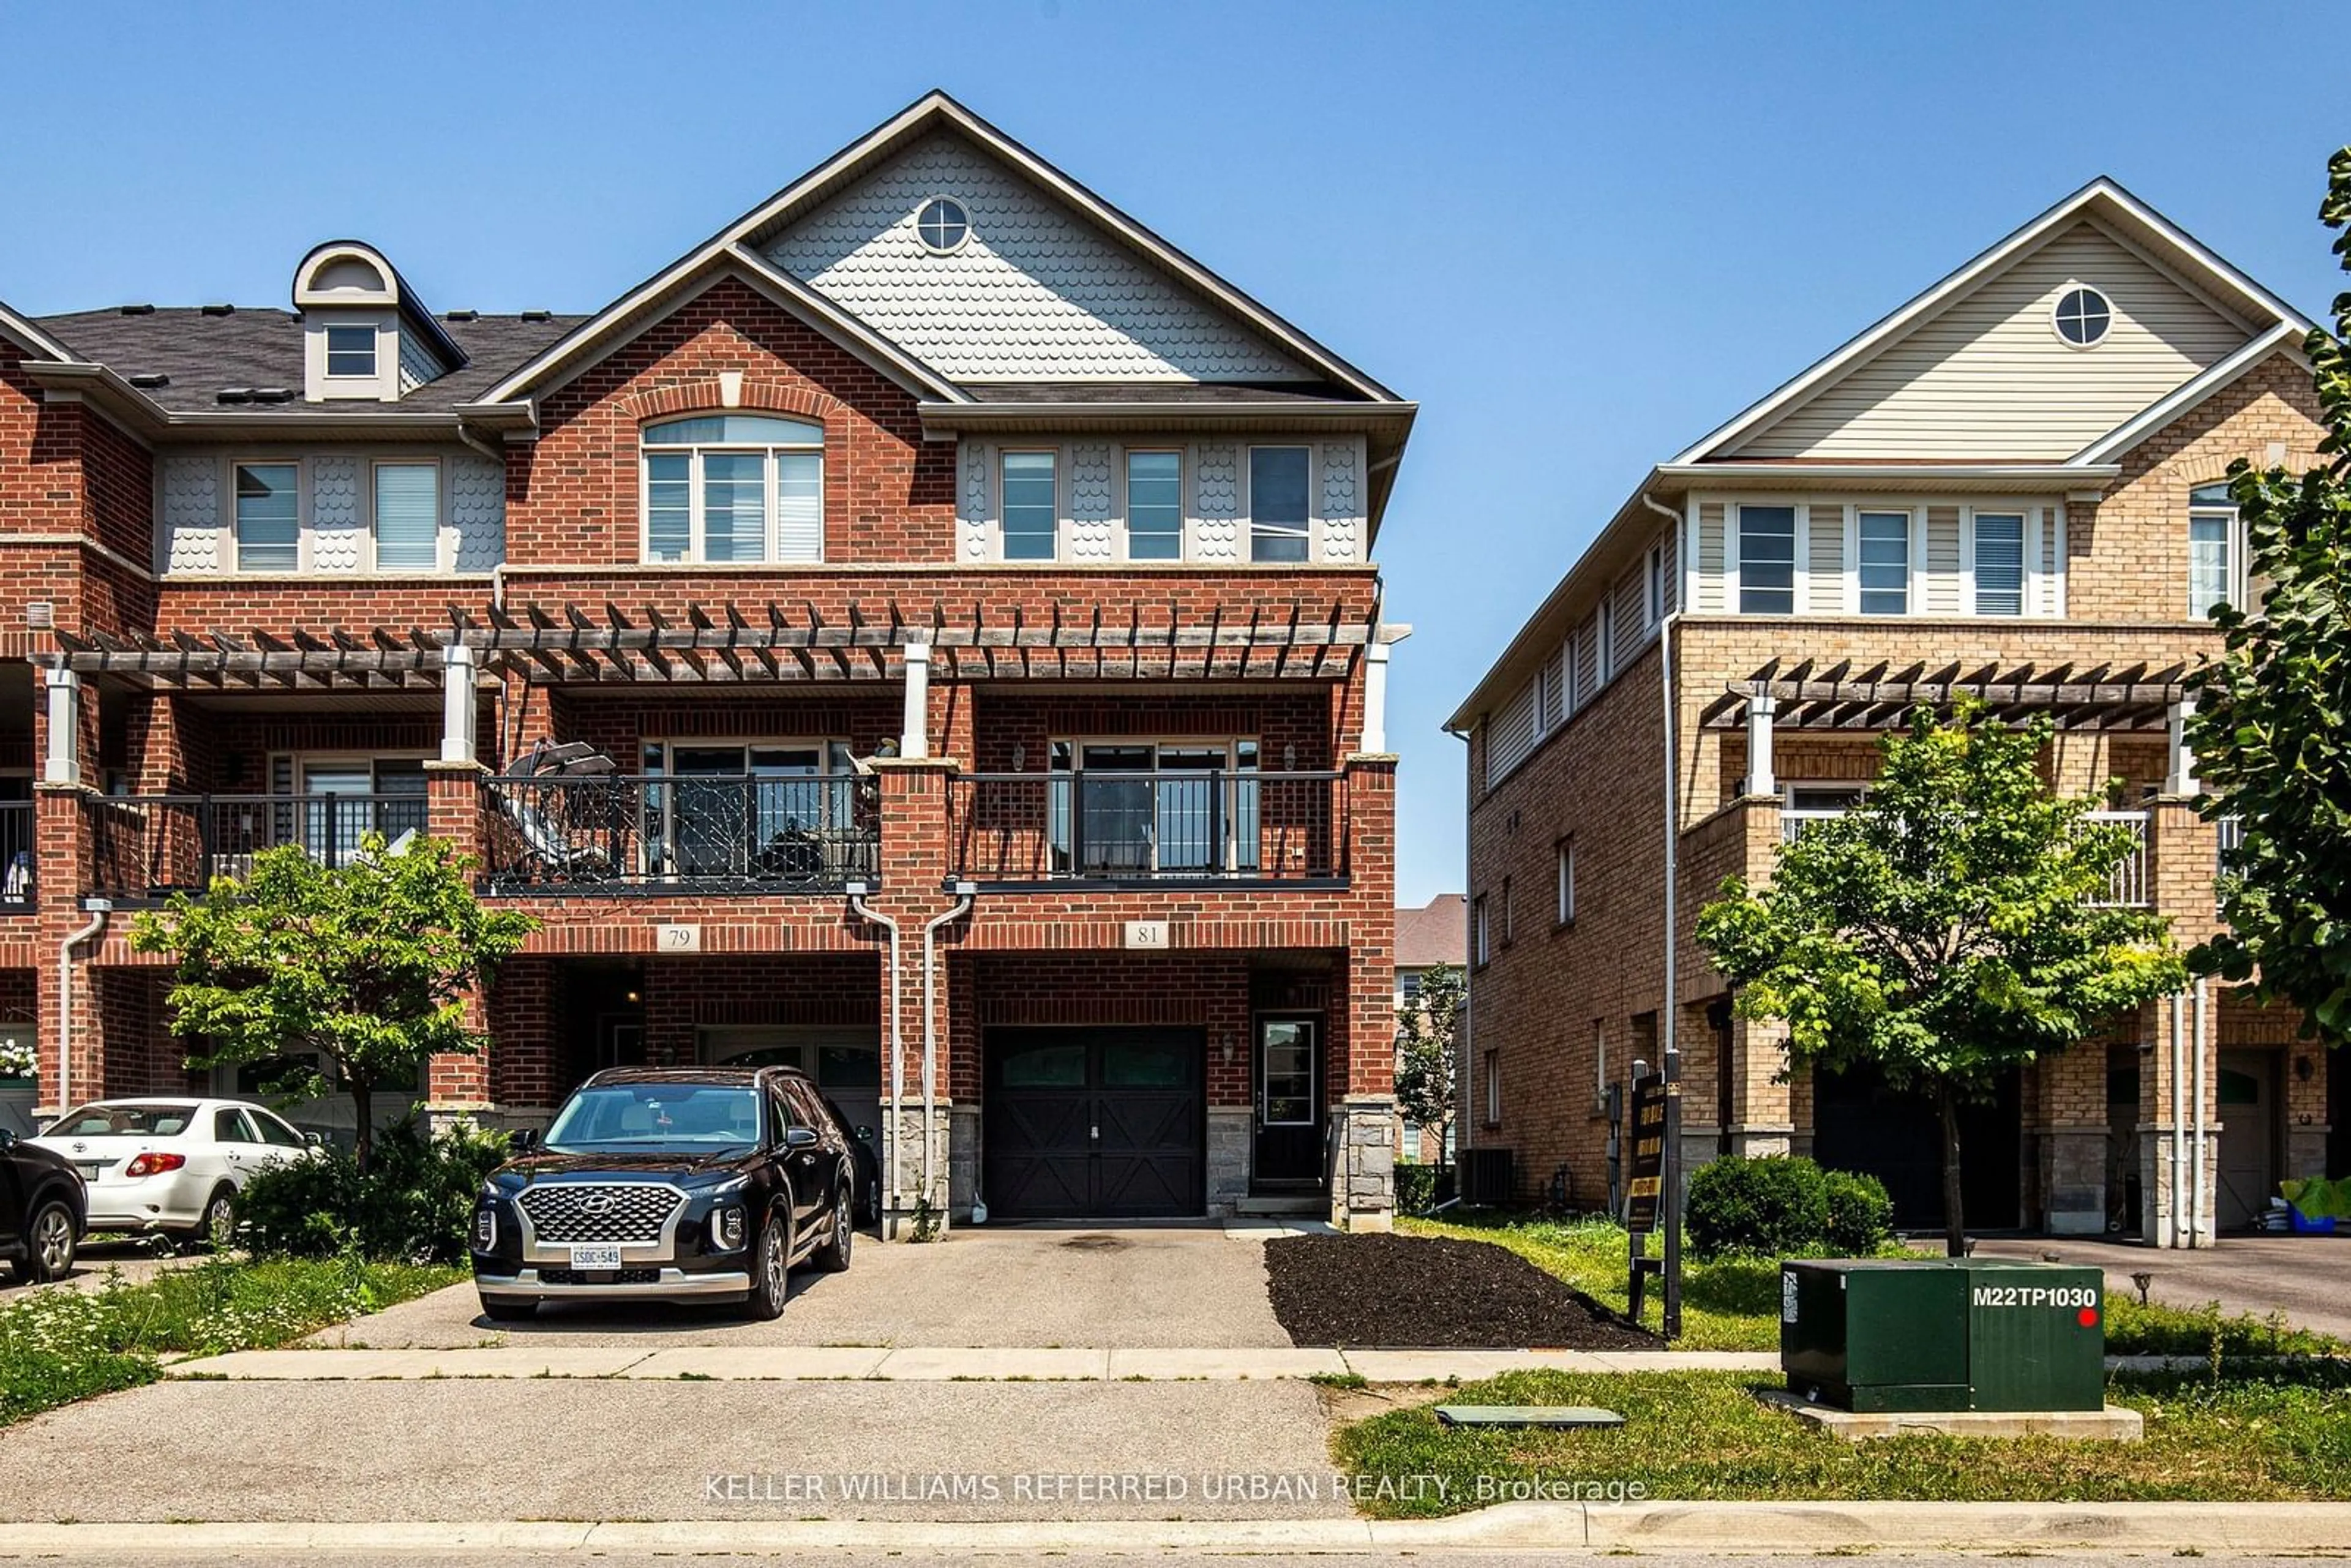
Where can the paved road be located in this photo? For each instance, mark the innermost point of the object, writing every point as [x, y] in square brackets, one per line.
[555, 1449]
[1140, 1286]
[2300, 1275]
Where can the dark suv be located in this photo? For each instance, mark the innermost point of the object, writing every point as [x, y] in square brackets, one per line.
[669, 1184]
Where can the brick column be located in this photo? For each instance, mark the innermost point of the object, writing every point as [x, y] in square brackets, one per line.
[62, 863]
[914, 867]
[458, 1086]
[1364, 1116]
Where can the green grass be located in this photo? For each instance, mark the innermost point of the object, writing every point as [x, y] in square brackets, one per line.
[59, 1345]
[1703, 1435]
[1733, 1304]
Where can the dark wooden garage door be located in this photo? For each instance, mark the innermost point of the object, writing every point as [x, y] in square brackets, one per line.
[1094, 1124]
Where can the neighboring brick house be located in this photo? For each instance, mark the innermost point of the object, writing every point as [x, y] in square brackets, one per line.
[927, 633]
[2004, 488]
[1434, 934]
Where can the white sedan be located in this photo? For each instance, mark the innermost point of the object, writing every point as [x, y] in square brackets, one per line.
[159, 1163]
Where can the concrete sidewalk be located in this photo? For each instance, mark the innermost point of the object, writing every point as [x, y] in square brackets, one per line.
[826, 1363]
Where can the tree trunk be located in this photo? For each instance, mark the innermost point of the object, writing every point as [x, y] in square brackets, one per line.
[1955, 1220]
[363, 1107]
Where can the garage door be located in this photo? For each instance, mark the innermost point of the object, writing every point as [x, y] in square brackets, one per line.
[1094, 1124]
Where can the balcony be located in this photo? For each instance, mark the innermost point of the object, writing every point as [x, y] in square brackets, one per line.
[1152, 829]
[144, 848]
[17, 855]
[2127, 887]
[608, 835]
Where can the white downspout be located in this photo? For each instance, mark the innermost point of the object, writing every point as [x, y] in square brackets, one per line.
[2196, 1155]
[2178, 1212]
[99, 910]
[897, 1050]
[1666, 724]
[963, 893]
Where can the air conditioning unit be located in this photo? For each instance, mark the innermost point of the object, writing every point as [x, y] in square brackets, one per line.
[1486, 1179]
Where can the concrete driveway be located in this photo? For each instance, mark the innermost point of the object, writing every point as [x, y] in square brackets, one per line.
[2301, 1276]
[104, 1259]
[1140, 1287]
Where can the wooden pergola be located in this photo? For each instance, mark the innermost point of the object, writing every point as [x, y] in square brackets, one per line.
[1845, 695]
[731, 643]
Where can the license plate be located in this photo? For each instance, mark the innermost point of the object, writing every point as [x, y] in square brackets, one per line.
[89, 1172]
[599, 1256]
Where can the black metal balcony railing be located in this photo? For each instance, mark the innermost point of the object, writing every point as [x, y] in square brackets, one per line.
[17, 855]
[745, 834]
[1161, 826]
[151, 846]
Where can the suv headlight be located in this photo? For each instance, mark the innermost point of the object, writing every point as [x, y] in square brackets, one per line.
[486, 1229]
[726, 1226]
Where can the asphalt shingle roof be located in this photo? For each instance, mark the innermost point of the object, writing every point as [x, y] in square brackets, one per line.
[258, 346]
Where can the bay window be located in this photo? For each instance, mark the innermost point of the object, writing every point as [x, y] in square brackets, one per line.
[723, 488]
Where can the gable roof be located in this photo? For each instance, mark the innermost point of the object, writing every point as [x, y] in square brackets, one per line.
[1437, 933]
[934, 110]
[2104, 201]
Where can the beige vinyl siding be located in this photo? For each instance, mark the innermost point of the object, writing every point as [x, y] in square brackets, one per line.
[1554, 690]
[1939, 584]
[1511, 734]
[1628, 617]
[1987, 378]
[1824, 559]
[1670, 545]
[1709, 597]
[1586, 656]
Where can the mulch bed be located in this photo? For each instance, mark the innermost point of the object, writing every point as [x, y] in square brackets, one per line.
[1433, 1293]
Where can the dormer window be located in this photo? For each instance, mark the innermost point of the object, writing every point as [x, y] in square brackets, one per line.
[351, 351]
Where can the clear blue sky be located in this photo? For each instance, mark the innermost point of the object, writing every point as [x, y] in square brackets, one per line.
[1580, 235]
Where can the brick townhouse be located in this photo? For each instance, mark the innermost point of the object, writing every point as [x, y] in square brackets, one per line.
[2009, 487]
[927, 633]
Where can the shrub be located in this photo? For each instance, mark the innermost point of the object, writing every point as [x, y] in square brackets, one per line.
[1421, 1188]
[1861, 1216]
[414, 1204]
[1775, 1206]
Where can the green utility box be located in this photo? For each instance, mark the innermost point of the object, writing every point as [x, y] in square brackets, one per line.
[1961, 1333]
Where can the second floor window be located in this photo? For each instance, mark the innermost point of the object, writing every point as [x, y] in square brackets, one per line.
[1885, 563]
[2211, 549]
[407, 516]
[1155, 506]
[734, 487]
[1767, 560]
[1031, 515]
[1564, 914]
[2000, 563]
[1481, 933]
[268, 517]
[1277, 503]
[351, 351]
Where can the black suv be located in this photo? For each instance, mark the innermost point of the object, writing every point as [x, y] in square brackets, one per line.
[669, 1184]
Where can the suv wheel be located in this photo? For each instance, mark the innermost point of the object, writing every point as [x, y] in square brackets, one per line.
[771, 1267]
[833, 1256]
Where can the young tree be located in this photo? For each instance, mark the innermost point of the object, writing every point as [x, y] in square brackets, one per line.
[365, 964]
[1427, 1036]
[1950, 927]
[2273, 726]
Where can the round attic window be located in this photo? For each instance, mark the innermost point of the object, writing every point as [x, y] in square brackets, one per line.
[2082, 317]
[943, 226]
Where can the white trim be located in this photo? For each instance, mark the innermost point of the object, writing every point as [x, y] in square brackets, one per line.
[770, 496]
[996, 540]
[2099, 194]
[2188, 393]
[444, 531]
[1123, 505]
[21, 328]
[302, 519]
[931, 110]
[2073, 286]
[963, 211]
[1246, 483]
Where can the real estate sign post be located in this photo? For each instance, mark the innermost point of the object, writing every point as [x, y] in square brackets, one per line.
[1647, 1182]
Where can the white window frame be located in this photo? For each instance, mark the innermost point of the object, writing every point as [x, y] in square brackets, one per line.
[1913, 547]
[441, 539]
[2028, 552]
[1735, 555]
[1481, 933]
[1126, 506]
[771, 493]
[301, 515]
[1493, 1074]
[2234, 589]
[373, 374]
[1563, 881]
[1305, 534]
[1600, 1063]
[1653, 596]
[1060, 504]
[1228, 851]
